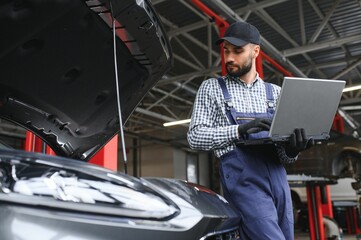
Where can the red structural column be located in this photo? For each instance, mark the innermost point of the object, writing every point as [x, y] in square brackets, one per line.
[356, 220]
[35, 144]
[315, 212]
[39, 145]
[29, 142]
[108, 155]
[338, 124]
[352, 220]
[222, 30]
[349, 220]
[49, 151]
[327, 205]
[259, 66]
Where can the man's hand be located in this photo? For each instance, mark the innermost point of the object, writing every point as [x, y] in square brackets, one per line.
[254, 126]
[298, 142]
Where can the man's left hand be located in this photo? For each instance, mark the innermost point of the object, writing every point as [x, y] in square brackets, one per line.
[298, 142]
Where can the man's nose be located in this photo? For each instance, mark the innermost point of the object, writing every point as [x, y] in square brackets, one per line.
[229, 57]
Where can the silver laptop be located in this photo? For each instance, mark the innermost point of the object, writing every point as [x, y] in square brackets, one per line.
[304, 103]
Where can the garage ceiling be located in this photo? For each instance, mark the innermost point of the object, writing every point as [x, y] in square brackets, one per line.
[313, 38]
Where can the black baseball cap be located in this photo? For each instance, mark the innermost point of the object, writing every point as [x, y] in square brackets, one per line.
[240, 34]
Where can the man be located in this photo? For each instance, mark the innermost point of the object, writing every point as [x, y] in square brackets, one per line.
[240, 106]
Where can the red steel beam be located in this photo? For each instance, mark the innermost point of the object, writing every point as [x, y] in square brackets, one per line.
[275, 64]
[220, 22]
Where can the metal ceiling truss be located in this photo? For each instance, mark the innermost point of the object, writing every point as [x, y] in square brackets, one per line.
[196, 58]
[210, 68]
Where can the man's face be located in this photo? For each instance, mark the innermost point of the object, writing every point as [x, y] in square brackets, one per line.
[238, 60]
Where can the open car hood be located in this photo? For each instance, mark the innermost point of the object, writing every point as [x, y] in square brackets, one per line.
[57, 68]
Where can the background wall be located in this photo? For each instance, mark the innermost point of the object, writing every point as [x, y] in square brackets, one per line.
[145, 159]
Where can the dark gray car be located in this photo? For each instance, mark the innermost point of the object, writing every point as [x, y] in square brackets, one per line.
[58, 81]
[45, 197]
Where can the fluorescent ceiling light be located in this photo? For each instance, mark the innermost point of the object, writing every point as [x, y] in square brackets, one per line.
[353, 88]
[168, 124]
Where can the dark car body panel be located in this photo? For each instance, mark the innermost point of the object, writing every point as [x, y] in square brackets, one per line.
[57, 68]
[332, 159]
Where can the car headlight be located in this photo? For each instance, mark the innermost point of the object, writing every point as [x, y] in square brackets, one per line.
[55, 187]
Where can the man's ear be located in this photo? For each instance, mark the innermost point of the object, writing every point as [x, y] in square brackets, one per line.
[256, 50]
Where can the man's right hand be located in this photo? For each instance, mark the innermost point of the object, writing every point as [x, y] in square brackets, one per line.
[254, 126]
[298, 143]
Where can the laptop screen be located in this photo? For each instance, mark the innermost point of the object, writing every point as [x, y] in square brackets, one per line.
[306, 103]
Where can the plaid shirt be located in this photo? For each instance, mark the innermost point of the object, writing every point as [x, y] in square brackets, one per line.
[210, 128]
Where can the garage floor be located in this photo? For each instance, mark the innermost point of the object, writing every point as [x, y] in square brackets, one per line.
[306, 236]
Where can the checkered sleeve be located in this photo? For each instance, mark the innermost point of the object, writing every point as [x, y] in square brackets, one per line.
[206, 130]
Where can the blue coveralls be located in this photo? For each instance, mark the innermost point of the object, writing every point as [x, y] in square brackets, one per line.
[255, 181]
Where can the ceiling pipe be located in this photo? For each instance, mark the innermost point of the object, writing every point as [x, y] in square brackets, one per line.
[188, 89]
[167, 79]
[348, 69]
[280, 58]
[155, 115]
[322, 45]
[172, 96]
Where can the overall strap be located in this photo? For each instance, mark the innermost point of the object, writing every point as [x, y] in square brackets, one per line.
[230, 111]
[270, 98]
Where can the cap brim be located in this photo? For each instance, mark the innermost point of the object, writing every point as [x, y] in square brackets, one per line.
[234, 41]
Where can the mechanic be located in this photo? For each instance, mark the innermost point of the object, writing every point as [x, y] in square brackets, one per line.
[237, 107]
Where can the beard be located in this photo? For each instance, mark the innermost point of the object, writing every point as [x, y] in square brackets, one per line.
[240, 71]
